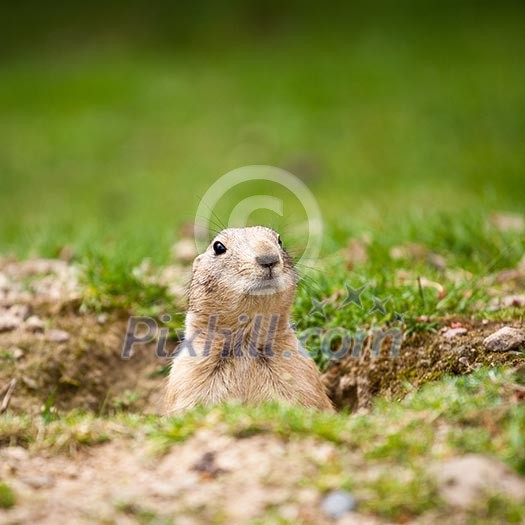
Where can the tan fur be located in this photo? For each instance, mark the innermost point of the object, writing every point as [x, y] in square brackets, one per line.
[244, 298]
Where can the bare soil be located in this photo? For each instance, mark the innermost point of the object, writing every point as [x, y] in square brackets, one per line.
[354, 382]
[209, 478]
[86, 371]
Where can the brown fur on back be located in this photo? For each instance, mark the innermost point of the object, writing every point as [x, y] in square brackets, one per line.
[239, 342]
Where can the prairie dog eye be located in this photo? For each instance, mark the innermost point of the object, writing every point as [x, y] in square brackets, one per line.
[219, 248]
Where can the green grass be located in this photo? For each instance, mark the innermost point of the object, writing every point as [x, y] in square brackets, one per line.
[7, 496]
[144, 516]
[109, 149]
[109, 283]
[398, 498]
[405, 128]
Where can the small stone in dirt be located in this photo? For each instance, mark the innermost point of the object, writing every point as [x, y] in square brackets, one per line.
[463, 481]
[355, 253]
[290, 512]
[71, 472]
[337, 502]
[464, 361]
[437, 261]
[504, 340]
[34, 324]
[30, 383]
[453, 332]
[16, 352]
[4, 282]
[409, 251]
[57, 336]
[509, 275]
[14, 453]
[31, 267]
[508, 222]
[207, 466]
[513, 301]
[39, 481]
[102, 318]
[22, 311]
[8, 322]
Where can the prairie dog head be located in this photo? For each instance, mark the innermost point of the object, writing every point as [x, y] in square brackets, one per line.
[243, 271]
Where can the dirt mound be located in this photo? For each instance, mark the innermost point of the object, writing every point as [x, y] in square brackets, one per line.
[78, 364]
[455, 350]
[53, 355]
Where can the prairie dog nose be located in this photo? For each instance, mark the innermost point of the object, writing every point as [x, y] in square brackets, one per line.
[268, 260]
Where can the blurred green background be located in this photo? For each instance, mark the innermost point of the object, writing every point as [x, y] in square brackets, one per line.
[115, 118]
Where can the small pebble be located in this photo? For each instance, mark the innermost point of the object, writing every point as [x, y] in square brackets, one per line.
[39, 481]
[30, 383]
[102, 318]
[337, 503]
[437, 261]
[16, 453]
[71, 472]
[466, 480]
[8, 322]
[453, 332]
[516, 301]
[16, 352]
[464, 361]
[22, 311]
[34, 324]
[57, 336]
[4, 282]
[504, 340]
[508, 222]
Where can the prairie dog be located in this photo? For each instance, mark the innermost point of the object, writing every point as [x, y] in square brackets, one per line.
[239, 344]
